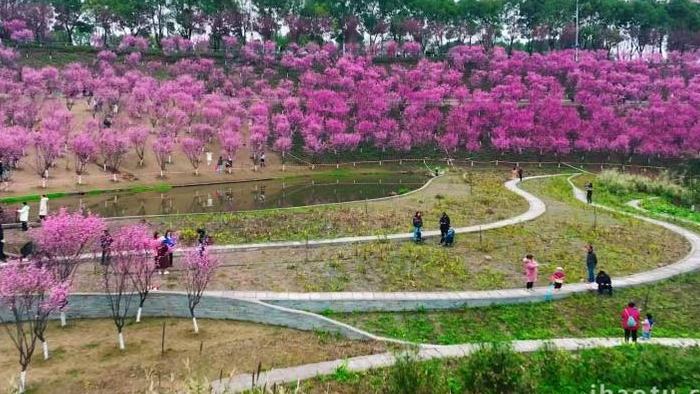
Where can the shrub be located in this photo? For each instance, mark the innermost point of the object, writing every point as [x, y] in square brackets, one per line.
[495, 369]
[409, 376]
[620, 183]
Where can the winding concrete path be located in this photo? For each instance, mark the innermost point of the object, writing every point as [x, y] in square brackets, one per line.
[536, 208]
[244, 382]
[402, 301]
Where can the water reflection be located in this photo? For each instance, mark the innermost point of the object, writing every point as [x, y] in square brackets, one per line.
[242, 196]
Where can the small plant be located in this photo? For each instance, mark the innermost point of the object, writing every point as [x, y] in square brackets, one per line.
[495, 369]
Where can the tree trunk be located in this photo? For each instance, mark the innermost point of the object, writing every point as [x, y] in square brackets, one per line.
[121, 341]
[63, 319]
[45, 347]
[22, 381]
[138, 315]
[196, 327]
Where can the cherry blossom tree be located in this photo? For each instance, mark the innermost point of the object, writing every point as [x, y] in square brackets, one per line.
[47, 143]
[85, 149]
[30, 294]
[61, 241]
[162, 148]
[113, 147]
[139, 243]
[138, 136]
[199, 268]
[192, 148]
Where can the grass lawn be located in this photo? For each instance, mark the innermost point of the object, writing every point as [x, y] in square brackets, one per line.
[489, 260]
[673, 303]
[660, 206]
[474, 198]
[496, 369]
[85, 357]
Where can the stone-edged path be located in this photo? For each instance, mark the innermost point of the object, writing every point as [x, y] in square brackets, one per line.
[244, 382]
[402, 301]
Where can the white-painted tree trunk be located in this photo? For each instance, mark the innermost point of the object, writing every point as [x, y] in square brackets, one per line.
[43, 183]
[80, 179]
[170, 159]
[63, 319]
[45, 346]
[22, 381]
[283, 167]
[121, 341]
[138, 315]
[114, 177]
[196, 327]
[161, 173]
[196, 171]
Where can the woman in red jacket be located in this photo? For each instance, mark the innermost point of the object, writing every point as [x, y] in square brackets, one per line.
[630, 322]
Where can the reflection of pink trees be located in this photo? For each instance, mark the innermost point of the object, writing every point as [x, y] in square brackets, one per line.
[30, 294]
[199, 268]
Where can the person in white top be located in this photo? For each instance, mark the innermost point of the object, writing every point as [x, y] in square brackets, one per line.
[43, 207]
[24, 216]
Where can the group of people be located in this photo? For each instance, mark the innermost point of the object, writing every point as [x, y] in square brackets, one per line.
[631, 322]
[24, 209]
[447, 233]
[602, 279]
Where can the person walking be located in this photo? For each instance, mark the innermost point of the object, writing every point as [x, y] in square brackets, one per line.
[219, 165]
[589, 192]
[444, 226]
[514, 173]
[43, 207]
[417, 225]
[23, 213]
[531, 268]
[262, 159]
[106, 245]
[630, 322]
[520, 173]
[591, 263]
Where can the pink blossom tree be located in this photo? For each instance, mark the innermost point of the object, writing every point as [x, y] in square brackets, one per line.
[192, 148]
[113, 147]
[199, 268]
[162, 148]
[85, 149]
[230, 142]
[61, 241]
[30, 294]
[47, 143]
[138, 135]
[137, 240]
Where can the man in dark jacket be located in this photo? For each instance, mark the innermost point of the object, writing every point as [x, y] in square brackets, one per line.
[591, 263]
[589, 192]
[444, 226]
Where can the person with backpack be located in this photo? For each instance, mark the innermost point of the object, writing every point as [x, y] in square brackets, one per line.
[444, 226]
[630, 322]
[417, 225]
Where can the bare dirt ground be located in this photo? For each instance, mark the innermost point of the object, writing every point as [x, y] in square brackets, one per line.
[85, 357]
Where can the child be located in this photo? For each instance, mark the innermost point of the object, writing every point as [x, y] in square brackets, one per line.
[449, 237]
[647, 326]
[530, 266]
[557, 278]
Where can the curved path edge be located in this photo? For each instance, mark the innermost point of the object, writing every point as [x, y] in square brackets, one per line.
[244, 382]
[402, 301]
[535, 209]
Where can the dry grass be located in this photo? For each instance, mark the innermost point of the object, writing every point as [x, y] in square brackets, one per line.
[85, 357]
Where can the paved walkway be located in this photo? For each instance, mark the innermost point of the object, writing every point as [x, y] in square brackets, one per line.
[395, 301]
[244, 382]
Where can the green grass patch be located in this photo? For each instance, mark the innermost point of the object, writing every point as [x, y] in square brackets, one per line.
[498, 369]
[30, 197]
[661, 206]
[673, 303]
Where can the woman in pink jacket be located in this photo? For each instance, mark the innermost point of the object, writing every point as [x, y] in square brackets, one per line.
[530, 267]
[630, 322]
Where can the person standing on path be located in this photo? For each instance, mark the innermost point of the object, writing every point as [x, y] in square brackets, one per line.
[417, 225]
[531, 268]
[514, 173]
[43, 207]
[557, 278]
[589, 192]
[106, 245]
[2, 244]
[444, 226]
[520, 173]
[23, 213]
[630, 322]
[591, 263]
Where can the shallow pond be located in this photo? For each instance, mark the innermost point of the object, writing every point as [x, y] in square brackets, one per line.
[241, 196]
